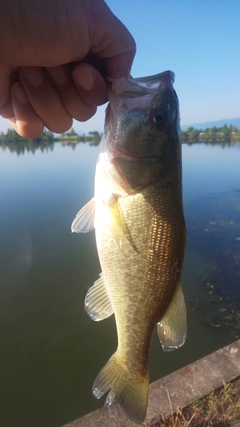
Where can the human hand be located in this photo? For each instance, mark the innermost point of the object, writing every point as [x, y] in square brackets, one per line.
[53, 61]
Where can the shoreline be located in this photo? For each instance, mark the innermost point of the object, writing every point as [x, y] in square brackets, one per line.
[179, 389]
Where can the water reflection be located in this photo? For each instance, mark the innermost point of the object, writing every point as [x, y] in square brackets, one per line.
[22, 251]
[50, 349]
[16, 144]
[26, 147]
[213, 143]
[21, 145]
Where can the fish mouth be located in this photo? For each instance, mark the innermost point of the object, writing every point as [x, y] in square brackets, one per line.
[123, 154]
[167, 76]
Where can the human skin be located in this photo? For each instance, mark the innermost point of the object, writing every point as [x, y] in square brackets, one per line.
[54, 57]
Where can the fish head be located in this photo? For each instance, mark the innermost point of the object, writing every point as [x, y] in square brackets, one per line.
[142, 128]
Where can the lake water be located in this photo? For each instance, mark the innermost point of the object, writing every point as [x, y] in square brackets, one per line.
[51, 351]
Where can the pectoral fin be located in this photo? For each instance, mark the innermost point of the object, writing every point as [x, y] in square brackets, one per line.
[97, 301]
[84, 220]
[172, 329]
[116, 220]
[118, 225]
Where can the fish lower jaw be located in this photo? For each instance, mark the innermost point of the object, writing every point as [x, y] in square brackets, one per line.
[122, 154]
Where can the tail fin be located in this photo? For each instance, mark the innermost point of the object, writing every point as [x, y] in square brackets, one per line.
[130, 391]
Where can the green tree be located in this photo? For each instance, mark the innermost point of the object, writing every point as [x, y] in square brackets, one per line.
[72, 133]
[96, 137]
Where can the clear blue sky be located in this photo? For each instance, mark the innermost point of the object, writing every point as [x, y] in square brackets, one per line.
[198, 40]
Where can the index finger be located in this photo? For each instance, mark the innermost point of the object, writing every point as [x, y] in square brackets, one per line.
[119, 66]
[111, 42]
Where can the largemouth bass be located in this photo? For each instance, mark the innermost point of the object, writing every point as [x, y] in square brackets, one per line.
[137, 213]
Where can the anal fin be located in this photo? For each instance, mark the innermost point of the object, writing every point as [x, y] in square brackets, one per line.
[97, 301]
[172, 329]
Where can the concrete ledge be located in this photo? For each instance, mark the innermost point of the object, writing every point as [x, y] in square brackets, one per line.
[178, 389]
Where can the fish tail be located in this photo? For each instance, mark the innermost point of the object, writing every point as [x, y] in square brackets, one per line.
[128, 390]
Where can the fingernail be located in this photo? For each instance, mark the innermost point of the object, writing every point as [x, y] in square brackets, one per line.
[84, 78]
[20, 94]
[33, 75]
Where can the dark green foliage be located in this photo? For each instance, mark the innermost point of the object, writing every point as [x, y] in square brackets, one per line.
[19, 144]
[214, 134]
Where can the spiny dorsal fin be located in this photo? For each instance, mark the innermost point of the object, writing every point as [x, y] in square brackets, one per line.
[84, 220]
[172, 329]
[97, 301]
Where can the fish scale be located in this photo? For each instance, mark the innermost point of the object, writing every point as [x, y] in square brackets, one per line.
[140, 234]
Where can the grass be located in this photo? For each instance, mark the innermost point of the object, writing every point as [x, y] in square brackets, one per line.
[221, 408]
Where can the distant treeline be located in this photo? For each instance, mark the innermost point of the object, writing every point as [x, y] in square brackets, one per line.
[14, 142]
[93, 137]
[18, 144]
[222, 134]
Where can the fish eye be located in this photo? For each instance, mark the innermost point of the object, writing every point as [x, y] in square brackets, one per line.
[158, 117]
